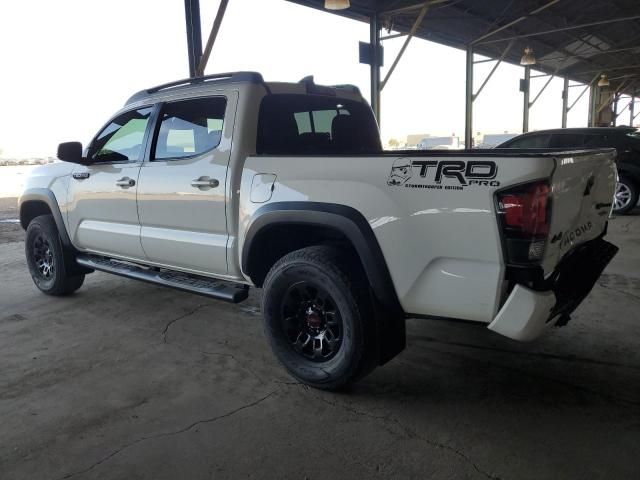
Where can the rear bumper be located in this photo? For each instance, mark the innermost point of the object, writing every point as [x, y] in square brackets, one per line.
[530, 310]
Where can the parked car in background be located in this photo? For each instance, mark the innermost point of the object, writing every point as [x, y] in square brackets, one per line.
[439, 143]
[626, 140]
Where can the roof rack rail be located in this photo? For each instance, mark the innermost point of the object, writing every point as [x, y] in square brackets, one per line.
[231, 77]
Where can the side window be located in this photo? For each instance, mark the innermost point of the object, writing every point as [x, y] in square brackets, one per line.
[567, 140]
[189, 127]
[121, 140]
[531, 141]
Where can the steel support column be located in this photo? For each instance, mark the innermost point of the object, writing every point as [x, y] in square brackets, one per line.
[468, 122]
[194, 34]
[565, 102]
[526, 104]
[615, 109]
[593, 104]
[632, 107]
[217, 22]
[374, 41]
[412, 32]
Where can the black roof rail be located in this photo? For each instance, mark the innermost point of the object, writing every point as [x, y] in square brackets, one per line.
[232, 77]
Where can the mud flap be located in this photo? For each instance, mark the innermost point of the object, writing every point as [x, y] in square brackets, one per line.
[577, 274]
[391, 332]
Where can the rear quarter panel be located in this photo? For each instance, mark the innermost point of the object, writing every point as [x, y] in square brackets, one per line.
[440, 240]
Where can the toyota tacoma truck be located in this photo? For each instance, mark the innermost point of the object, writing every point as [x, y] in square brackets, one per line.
[220, 183]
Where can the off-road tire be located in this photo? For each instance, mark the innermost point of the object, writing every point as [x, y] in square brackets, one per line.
[344, 286]
[47, 258]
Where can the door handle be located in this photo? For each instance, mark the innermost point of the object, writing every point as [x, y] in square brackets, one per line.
[205, 183]
[126, 182]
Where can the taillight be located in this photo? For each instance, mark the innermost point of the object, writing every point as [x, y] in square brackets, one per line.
[525, 219]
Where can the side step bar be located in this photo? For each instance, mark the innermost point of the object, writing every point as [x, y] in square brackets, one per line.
[208, 287]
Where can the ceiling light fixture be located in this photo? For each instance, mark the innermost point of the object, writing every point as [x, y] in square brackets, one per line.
[604, 81]
[528, 58]
[336, 4]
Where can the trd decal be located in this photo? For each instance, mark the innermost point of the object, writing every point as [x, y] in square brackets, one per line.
[443, 175]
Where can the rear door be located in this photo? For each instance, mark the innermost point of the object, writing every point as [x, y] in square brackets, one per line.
[102, 213]
[182, 196]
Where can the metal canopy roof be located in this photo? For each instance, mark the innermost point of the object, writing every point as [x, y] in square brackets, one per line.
[578, 39]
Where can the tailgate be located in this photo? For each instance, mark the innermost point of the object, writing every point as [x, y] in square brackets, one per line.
[582, 189]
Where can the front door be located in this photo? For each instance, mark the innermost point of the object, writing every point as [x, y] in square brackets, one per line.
[182, 196]
[102, 211]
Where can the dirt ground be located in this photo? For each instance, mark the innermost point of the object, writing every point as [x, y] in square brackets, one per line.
[126, 380]
[10, 231]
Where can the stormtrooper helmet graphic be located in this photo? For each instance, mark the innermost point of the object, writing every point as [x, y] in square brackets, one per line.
[400, 172]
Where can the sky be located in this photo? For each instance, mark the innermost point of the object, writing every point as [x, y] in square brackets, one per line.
[68, 65]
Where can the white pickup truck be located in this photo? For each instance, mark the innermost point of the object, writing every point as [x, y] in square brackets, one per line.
[215, 184]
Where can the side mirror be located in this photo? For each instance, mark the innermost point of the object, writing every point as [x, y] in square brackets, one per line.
[71, 152]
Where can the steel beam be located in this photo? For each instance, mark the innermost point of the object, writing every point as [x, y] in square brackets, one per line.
[468, 122]
[493, 70]
[586, 89]
[526, 104]
[628, 105]
[222, 8]
[414, 29]
[374, 41]
[409, 8]
[544, 87]
[561, 29]
[565, 101]
[516, 21]
[613, 96]
[194, 34]
[601, 52]
[392, 36]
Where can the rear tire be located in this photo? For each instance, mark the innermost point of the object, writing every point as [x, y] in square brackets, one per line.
[626, 197]
[46, 259]
[318, 318]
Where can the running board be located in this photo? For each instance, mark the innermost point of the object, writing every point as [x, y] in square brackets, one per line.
[209, 287]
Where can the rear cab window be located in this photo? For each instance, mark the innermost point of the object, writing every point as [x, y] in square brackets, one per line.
[291, 124]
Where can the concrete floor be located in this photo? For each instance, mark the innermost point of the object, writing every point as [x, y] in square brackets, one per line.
[128, 380]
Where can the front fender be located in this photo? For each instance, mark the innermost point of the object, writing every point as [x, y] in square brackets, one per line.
[47, 197]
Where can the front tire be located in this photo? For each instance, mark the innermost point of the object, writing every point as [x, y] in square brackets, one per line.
[46, 259]
[626, 197]
[317, 317]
